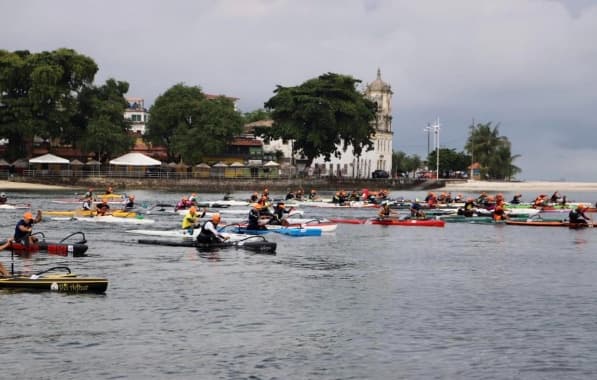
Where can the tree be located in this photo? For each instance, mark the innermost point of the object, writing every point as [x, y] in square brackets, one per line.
[491, 151]
[105, 132]
[39, 95]
[401, 162]
[322, 114]
[257, 115]
[449, 160]
[191, 126]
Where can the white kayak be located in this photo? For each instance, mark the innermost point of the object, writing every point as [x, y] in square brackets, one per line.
[106, 219]
[8, 206]
[324, 226]
[243, 212]
[183, 234]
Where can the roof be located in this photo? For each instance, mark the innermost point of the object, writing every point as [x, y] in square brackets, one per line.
[244, 141]
[378, 84]
[135, 159]
[49, 158]
[76, 162]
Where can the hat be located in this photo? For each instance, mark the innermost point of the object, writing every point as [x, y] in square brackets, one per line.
[193, 209]
[28, 215]
[215, 217]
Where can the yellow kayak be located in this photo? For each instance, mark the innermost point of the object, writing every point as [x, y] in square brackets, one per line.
[109, 196]
[115, 213]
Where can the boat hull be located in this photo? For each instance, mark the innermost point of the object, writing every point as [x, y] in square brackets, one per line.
[257, 246]
[59, 249]
[56, 283]
[408, 222]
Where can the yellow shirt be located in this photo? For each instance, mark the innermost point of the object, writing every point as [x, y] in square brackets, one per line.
[189, 221]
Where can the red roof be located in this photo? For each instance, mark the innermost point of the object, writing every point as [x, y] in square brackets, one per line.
[244, 141]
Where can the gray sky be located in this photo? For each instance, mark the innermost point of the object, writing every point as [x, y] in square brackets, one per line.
[529, 65]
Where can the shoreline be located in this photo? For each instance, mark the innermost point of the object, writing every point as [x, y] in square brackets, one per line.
[468, 186]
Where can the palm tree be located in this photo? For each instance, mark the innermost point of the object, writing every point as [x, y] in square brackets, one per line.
[491, 151]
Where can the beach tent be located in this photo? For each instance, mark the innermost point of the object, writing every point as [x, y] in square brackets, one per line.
[50, 164]
[49, 158]
[271, 164]
[218, 169]
[76, 162]
[238, 169]
[93, 163]
[135, 159]
[201, 170]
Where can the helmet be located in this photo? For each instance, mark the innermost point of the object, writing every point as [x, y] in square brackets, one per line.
[281, 204]
[104, 200]
[215, 217]
[192, 210]
[3, 195]
[28, 215]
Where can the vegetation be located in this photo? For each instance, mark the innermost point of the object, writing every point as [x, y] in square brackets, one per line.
[190, 126]
[322, 114]
[491, 151]
[403, 163]
[449, 160]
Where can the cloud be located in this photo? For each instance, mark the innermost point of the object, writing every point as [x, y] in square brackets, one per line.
[527, 64]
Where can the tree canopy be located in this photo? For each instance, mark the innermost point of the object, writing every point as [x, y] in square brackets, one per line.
[191, 126]
[449, 160]
[491, 151]
[39, 95]
[321, 115]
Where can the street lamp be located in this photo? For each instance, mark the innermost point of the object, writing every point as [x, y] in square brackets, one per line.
[428, 130]
[436, 128]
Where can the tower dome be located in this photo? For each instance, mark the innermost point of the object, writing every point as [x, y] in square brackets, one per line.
[378, 84]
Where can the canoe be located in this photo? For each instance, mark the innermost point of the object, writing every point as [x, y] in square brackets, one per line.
[545, 223]
[115, 213]
[59, 249]
[288, 231]
[10, 206]
[105, 219]
[407, 222]
[256, 244]
[65, 283]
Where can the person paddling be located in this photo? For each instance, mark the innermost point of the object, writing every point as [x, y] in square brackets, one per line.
[385, 211]
[189, 221]
[24, 228]
[577, 216]
[3, 271]
[209, 231]
[103, 208]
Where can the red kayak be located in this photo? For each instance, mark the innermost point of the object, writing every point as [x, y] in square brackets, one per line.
[60, 249]
[347, 221]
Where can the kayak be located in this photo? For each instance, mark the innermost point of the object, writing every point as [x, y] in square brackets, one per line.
[184, 234]
[106, 219]
[407, 222]
[59, 249]
[65, 283]
[546, 223]
[62, 248]
[109, 196]
[256, 244]
[115, 213]
[79, 201]
[288, 231]
[322, 224]
[9, 206]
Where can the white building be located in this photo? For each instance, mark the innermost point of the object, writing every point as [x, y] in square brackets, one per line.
[137, 114]
[348, 165]
[380, 158]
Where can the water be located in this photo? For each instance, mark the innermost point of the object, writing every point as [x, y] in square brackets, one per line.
[464, 301]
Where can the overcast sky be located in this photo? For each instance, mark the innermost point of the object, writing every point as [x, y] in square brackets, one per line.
[529, 65]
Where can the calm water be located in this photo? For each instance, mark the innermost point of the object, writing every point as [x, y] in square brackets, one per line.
[365, 302]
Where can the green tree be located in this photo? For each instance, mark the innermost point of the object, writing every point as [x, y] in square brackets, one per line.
[257, 115]
[106, 131]
[401, 162]
[322, 114]
[491, 151]
[449, 160]
[39, 95]
[191, 126]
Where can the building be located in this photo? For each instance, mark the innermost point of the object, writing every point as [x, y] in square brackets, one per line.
[348, 165]
[136, 114]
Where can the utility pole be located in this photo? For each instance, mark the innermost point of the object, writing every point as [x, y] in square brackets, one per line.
[472, 148]
[436, 129]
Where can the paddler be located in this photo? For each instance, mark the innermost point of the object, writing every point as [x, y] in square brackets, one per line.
[209, 232]
[385, 211]
[416, 209]
[189, 220]
[577, 216]
[103, 208]
[254, 216]
[278, 217]
[24, 228]
[3, 199]
[129, 202]
[88, 195]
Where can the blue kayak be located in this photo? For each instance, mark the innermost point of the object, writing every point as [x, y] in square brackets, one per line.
[288, 231]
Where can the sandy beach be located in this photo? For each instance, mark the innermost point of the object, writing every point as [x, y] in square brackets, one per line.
[26, 186]
[474, 186]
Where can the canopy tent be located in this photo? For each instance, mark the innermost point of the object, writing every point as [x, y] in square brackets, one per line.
[76, 162]
[202, 166]
[237, 164]
[3, 162]
[271, 164]
[93, 163]
[20, 163]
[49, 159]
[135, 159]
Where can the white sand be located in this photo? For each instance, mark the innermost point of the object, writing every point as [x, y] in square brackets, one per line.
[521, 186]
[25, 186]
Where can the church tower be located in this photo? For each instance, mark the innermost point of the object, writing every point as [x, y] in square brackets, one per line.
[381, 93]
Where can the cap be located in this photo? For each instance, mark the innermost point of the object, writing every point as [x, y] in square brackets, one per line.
[215, 217]
[28, 215]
